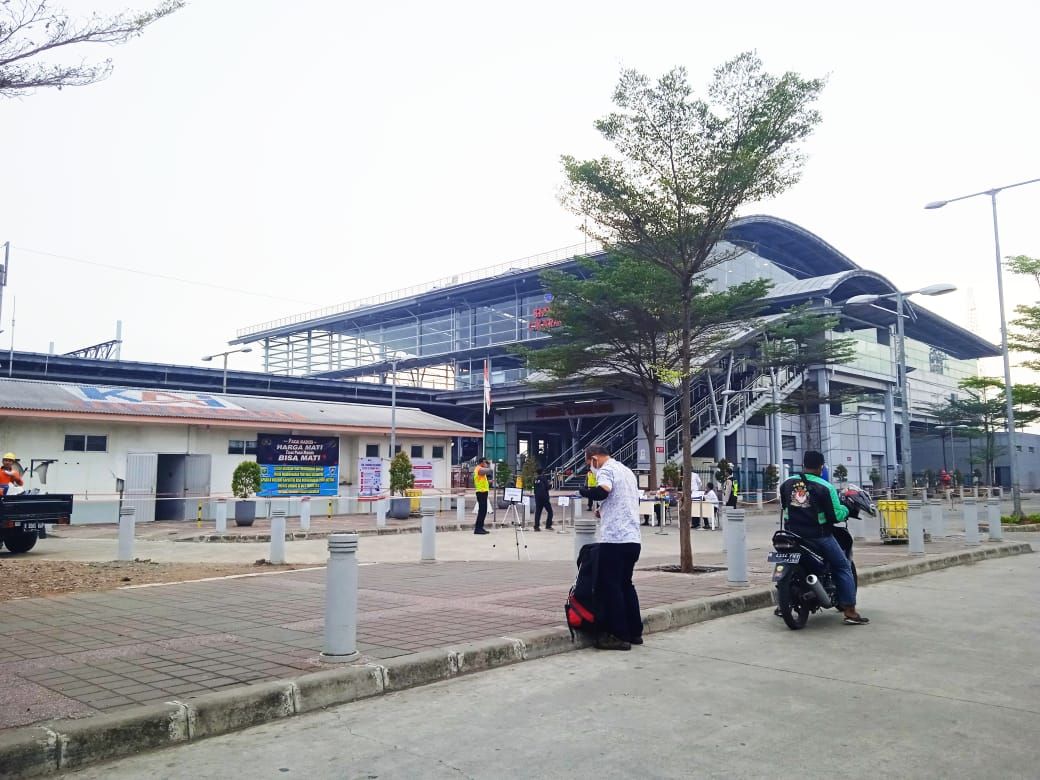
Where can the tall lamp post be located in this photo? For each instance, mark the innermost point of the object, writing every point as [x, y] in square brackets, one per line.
[207, 358]
[904, 385]
[1016, 496]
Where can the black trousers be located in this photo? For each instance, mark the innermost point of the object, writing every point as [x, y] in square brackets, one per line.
[539, 505]
[481, 511]
[616, 592]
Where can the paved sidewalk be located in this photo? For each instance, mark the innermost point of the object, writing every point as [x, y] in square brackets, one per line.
[81, 654]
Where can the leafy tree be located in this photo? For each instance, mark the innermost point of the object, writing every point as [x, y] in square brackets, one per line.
[983, 409]
[841, 473]
[1027, 336]
[798, 342]
[529, 472]
[31, 30]
[684, 167]
[618, 328]
[245, 481]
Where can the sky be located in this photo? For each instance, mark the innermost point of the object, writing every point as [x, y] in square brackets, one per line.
[251, 159]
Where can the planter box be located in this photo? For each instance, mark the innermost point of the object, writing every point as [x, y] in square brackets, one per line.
[245, 513]
[400, 508]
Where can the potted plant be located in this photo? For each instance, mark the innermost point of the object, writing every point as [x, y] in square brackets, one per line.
[401, 479]
[670, 474]
[528, 475]
[772, 477]
[875, 478]
[245, 483]
[841, 473]
[503, 478]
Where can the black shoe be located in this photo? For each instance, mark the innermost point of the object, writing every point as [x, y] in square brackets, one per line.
[536, 528]
[856, 620]
[611, 642]
[636, 641]
[548, 526]
[481, 531]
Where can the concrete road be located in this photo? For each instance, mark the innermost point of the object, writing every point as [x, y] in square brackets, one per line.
[944, 683]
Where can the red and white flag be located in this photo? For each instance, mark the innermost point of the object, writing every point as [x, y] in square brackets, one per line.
[487, 388]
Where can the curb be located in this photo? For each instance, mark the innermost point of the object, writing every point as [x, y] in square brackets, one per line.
[35, 751]
[291, 536]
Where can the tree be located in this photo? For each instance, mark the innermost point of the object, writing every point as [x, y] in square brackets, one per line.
[618, 328]
[402, 477]
[685, 166]
[983, 409]
[1027, 336]
[798, 343]
[31, 30]
[529, 472]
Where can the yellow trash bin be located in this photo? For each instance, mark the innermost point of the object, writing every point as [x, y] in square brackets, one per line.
[893, 521]
[415, 495]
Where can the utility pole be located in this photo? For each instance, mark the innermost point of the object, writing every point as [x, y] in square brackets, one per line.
[3, 275]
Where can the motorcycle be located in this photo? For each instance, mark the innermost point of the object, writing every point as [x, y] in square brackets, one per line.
[802, 578]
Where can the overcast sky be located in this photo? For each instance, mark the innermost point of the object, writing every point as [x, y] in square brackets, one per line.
[314, 152]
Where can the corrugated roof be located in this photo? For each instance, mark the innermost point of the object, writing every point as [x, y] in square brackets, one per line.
[76, 400]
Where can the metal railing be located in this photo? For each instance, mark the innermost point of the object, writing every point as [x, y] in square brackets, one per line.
[524, 264]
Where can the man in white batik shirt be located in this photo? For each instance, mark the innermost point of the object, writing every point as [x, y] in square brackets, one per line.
[620, 543]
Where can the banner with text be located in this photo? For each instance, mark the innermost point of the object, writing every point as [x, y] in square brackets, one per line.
[298, 465]
[370, 477]
[422, 471]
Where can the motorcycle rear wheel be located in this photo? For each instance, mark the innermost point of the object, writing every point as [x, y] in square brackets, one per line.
[792, 606]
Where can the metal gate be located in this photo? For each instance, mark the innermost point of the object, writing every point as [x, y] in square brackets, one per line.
[139, 488]
[197, 469]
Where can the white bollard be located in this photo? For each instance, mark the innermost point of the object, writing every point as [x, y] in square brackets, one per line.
[579, 505]
[341, 592]
[221, 516]
[971, 522]
[429, 534]
[858, 529]
[305, 513]
[996, 531]
[460, 510]
[758, 499]
[126, 532]
[584, 533]
[278, 536]
[915, 527]
[381, 507]
[723, 509]
[938, 520]
[736, 547]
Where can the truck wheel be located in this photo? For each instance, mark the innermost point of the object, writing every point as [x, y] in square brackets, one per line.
[20, 541]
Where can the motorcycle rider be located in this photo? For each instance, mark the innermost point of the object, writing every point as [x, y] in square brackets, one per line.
[810, 509]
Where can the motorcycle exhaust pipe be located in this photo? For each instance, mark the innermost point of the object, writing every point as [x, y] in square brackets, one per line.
[821, 592]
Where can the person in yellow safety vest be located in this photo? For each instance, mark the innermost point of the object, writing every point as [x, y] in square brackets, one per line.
[482, 486]
[590, 481]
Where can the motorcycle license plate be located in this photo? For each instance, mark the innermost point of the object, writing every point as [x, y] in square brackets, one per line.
[785, 557]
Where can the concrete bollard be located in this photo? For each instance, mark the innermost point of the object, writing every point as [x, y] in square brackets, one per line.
[460, 510]
[381, 505]
[278, 536]
[971, 522]
[579, 504]
[996, 531]
[915, 527]
[858, 529]
[584, 533]
[758, 499]
[221, 516]
[736, 548]
[305, 513]
[938, 521]
[722, 524]
[126, 532]
[570, 513]
[429, 534]
[341, 591]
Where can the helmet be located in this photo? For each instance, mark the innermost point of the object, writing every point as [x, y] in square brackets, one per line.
[856, 500]
[10, 456]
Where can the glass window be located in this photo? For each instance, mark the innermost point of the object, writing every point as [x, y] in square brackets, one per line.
[788, 442]
[97, 444]
[236, 447]
[251, 447]
[75, 443]
[438, 452]
[417, 450]
[371, 450]
[397, 449]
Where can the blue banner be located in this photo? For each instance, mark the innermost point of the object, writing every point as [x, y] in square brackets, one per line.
[298, 465]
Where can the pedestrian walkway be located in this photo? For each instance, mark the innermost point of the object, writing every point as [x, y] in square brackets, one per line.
[75, 655]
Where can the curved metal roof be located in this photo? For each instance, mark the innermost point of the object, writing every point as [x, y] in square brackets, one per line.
[791, 247]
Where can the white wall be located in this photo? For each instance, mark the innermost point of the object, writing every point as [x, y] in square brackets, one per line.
[91, 476]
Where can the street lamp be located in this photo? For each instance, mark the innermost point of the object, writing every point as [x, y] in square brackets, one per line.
[1016, 496]
[207, 358]
[904, 385]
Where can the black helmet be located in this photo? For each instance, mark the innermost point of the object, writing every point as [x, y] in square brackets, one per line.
[856, 500]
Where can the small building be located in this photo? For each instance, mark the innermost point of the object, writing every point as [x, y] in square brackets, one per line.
[173, 452]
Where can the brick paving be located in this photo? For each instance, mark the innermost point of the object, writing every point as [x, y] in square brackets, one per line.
[79, 654]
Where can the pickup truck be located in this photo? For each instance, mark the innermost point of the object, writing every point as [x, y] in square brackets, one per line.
[23, 518]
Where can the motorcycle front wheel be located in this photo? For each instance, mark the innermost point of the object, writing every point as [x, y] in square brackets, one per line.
[789, 592]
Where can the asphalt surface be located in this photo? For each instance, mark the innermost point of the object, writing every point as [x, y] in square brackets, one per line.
[945, 682]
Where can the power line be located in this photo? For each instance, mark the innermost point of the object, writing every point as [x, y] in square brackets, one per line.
[165, 277]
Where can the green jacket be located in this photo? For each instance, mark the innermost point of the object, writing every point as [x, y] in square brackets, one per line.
[810, 505]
